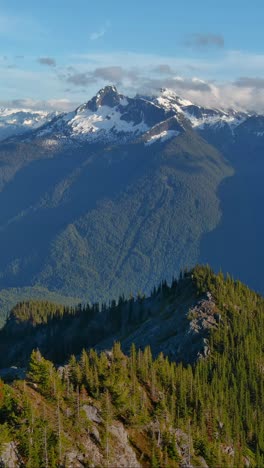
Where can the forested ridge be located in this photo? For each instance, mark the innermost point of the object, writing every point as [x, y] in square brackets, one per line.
[138, 226]
[157, 209]
[60, 331]
[110, 408]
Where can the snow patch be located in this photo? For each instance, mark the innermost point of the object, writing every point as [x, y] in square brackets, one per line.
[213, 117]
[18, 121]
[105, 124]
[161, 137]
[106, 119]
[217, 120]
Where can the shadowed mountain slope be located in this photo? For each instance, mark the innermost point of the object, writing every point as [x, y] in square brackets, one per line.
[106, 210]
[123, 192]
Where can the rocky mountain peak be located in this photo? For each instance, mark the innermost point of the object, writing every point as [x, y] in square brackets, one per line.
[107, 96]
[169, 97]
[112, 117]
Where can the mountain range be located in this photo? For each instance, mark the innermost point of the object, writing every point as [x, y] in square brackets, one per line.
[123, 192]
[20, 121]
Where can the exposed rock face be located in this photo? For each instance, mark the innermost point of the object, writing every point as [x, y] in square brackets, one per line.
[124, 456]
[178, 326]
[92, 413]
[107, 96]
[180, 331]
[9, 457]
[183, 447]
[95, 434]
[204, 315]
[90, 456]
[203, 462]
[93, 454]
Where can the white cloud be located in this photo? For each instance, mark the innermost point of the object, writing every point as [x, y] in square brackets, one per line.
[63, 105]
[229, 64]
[219, 78]
[94, 36]
[230, 80]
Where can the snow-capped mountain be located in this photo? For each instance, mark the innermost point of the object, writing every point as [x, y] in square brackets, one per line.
[107, 117]
[127, 189]
[111, 117]
[19, 121]
[199, 117]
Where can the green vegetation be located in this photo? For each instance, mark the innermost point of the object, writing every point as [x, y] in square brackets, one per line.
[133, 238]
[172, 413]
[65, 232]
[10, 297]
[61, 331]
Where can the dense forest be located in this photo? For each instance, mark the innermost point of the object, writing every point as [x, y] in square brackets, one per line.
[110, 408]
[142, 223]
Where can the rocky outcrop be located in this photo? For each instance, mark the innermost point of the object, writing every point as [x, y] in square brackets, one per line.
[204, 315]
[92, 413]
[9, 457]
[124, 455]
[178, 327]
[94, 453]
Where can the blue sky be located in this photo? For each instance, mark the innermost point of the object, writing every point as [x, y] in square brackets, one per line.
[59, 56]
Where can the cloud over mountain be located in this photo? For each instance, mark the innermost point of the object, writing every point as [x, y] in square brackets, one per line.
[250, 82]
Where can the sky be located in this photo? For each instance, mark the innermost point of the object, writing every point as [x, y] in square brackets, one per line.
[58, 54]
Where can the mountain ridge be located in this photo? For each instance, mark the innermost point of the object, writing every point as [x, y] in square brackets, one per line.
[21, 121]
[168, 100]
[137, 407]
[124, 192]
[153, 321]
